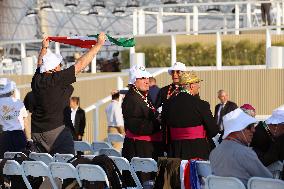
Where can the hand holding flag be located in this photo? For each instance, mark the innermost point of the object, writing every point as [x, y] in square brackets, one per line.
[89, 41]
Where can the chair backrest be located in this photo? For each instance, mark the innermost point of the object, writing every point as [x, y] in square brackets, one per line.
[115, 137]
[10, 155]
[62, 157]
[265, 183]
[37, 169]
[109, 152]
[92, 173]
[44, 157]
[217, 182]
[99, 145]
[144, 165]
[276, 168]
[64, 171]
[124, 165]
[83, 146]
[12, 167]
[203, 168]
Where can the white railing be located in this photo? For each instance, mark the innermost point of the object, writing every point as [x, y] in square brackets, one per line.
[249, 12]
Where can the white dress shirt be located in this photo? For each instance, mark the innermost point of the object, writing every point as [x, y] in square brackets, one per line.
[73, 114]
[114, 114]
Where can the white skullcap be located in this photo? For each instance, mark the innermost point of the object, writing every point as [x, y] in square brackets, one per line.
[277, 116]
[50, 61]
[177, 66]
[137, 72]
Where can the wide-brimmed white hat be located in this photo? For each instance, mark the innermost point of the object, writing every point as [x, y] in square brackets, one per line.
[6, 86]
[236, 120]
[277, 116]
[177, 66]
[137, 72]
[50, 61]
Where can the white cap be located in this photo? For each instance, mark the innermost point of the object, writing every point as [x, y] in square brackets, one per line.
[177, 66]
[136, 72]
[277, 116]
[6, 86]
[236, 120]
[50, 61]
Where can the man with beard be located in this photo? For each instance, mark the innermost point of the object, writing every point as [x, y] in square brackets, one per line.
[171, 90]
[189, 121]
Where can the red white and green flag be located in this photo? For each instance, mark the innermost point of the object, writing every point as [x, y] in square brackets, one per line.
[90, 40]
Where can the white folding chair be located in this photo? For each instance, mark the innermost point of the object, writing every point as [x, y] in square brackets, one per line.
[10, 155]
[276, 168]
[265, 183]
[203, 168]
[99, 145]
[124, 165]
[109, 152]
[92, 173]
[62, 157]
[89, 156]
[64, 171]
[83, 146]
[115, 138]
[37, 169]
[145, 165]
[217, 182]
[12, 167]
[44, 157]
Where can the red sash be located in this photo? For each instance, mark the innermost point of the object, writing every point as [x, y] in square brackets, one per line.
[188, 133]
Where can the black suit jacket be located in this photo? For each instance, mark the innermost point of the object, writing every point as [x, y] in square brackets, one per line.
[80, 121]
[229, 106]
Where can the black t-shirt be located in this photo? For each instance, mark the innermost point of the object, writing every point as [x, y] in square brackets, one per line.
[51, 95]
[29, 101]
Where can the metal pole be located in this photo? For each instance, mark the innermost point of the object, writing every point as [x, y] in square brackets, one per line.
[225, 25]
[249, 15]
[195, 20]
[187, 23]
[160, 21]
[278, 18]
[141, 23]
[135, 22]
[94, 65]
[57, 48]
[173, 49]
[218, 51]
[23, 50]
[119, 82]
[268, 48]
[131, 56]
[96, 123]
[237, 19]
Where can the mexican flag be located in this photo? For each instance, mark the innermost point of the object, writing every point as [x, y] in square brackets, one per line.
[90, 40]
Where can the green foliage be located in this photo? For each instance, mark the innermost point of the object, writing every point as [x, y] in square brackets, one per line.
[243, 52]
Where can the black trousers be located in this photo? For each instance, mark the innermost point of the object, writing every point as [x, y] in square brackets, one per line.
[58, 140]
[265, 13]
[12, 141]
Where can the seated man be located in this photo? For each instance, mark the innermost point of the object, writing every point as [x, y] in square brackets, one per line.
[268, 139]
[233, 157]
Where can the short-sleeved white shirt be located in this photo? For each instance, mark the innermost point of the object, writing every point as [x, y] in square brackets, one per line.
[12, 114]
[114, 114]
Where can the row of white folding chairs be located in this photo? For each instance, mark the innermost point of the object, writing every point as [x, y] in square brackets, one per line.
[88, 172]
[96, 148]
[55, 170]
[217, 182]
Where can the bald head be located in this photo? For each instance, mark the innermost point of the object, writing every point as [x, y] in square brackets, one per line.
[223, 96]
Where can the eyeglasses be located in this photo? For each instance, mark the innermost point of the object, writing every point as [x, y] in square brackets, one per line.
[176, 71]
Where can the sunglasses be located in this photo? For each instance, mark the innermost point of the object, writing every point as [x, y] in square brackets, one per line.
[176, 71]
